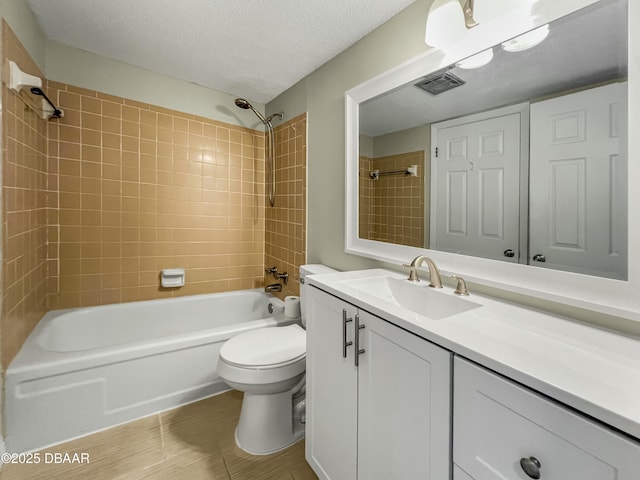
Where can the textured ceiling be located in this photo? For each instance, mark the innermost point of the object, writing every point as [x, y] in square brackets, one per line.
[253, 48]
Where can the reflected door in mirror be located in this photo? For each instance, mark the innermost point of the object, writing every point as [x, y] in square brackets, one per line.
[578, 182]
[476, 185]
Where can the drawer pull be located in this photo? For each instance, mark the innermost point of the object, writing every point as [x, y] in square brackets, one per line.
[531, 466]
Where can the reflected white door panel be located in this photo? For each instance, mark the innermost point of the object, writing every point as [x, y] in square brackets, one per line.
[476, 185]
[578, 187]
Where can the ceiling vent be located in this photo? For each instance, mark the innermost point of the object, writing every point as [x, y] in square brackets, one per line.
[439, 82]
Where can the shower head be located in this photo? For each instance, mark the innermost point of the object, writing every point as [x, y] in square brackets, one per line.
[242, 103]
[245, 105]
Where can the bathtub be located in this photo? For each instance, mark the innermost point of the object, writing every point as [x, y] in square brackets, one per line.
[87, 369]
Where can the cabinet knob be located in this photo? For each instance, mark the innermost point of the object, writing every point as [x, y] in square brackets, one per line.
[509, 253]
[539, 258]
[531, 466]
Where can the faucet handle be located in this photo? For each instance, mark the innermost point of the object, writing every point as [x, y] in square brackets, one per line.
[413, 274]
[461, 287]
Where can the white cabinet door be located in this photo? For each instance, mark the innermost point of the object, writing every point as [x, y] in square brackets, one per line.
[459, 474]
[332, 383]
[578, 177]
[499, 424]
[404, 404]
[476, 185]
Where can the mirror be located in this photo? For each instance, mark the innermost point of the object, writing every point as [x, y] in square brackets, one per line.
[522, 160]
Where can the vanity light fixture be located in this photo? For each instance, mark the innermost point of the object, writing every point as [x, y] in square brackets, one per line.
[486, 10]
[446, 18]
[527, 40]
[448, 22]
[476, 61]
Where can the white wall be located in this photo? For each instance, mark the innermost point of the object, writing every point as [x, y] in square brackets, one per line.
[410, 140]
[85, 69]
[321, 94]
[23, 23]
[366, 146]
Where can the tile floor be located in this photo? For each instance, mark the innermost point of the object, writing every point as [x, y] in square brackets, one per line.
[192, 442]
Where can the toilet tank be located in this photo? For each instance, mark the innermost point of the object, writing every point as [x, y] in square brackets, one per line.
[312, 269]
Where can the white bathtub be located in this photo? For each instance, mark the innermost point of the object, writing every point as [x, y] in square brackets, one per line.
[86, 369]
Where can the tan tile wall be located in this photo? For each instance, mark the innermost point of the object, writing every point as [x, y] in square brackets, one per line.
[398, 201]
[365, 198]
[24, 192]
[97, 203]
[285, 240]
[142, 188]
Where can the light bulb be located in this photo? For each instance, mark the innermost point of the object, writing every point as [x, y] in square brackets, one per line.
[476, 61]
[485, 10]
[527, 40]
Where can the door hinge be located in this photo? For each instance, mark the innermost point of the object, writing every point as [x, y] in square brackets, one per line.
[436, 152]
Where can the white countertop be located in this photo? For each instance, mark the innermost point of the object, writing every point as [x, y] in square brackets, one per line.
[590, 369]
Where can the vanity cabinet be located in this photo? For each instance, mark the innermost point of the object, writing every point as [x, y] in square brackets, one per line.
[505, 431]
[378, 397]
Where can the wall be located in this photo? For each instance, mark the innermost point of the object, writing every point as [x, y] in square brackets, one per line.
[321, 94]
[409, 140]
[366, 194]
[25, 27]
[285, 239]
[411, 227]
[142, 188]
[121, 189]
[395, 208]
[24, 201]
[73, 66]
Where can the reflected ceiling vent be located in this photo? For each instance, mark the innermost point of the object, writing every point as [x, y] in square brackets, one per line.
[439, 82]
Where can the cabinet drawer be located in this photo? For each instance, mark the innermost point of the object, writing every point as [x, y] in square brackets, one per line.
[497, 423]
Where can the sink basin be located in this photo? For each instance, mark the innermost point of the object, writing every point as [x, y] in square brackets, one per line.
[419, 298]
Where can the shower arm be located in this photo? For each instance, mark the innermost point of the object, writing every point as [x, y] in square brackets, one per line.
[272, 169]
[245, 105]
[272, 154]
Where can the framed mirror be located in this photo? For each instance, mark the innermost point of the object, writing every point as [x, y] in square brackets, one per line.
[513, 173]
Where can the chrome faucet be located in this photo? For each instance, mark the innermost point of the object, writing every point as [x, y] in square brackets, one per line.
[434, 274]
[274, 287]
[273, 271]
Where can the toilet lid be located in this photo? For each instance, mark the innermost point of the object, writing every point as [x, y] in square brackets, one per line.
[265, 346]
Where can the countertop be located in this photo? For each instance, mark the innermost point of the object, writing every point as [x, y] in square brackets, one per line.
[585, 367]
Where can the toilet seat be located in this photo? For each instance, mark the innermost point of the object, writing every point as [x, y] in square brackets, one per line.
[266, 348]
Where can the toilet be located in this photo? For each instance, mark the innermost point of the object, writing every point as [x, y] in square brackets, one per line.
[268, 365]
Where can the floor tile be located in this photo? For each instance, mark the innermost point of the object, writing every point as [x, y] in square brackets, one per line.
[194, 442]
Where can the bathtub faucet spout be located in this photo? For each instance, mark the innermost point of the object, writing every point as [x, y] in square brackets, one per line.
[274, 287]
